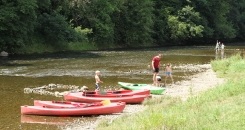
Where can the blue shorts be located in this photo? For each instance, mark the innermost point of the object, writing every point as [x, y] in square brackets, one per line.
[97, 86]
[168, 73]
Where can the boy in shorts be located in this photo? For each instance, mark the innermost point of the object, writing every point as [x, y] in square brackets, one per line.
[97, 80]
[168, 70]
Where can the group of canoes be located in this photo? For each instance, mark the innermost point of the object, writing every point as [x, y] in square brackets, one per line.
[92, 102]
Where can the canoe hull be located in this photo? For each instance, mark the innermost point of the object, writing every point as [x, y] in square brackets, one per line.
[131, 99]
[117, 93]
[116, 107]
[127, 92]
[131, 86]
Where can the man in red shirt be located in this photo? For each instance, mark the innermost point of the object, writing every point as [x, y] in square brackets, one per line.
[155, 67]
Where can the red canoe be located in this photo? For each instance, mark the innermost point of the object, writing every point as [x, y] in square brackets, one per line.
[74, 111]
[116, 93]
[67, 104]
[79, 97]
[121, 92]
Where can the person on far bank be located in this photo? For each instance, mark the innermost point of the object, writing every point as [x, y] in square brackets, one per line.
[222, 46]
[97, 80]
[168, 71]
[155, 67]
[217, 46]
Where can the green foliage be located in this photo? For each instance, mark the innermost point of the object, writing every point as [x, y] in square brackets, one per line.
[54, 28]
[162, 10]
[118, 23]
[17, 20]
[214, 18]
[98, 17]
[237, 16]
[138, 21]
[183, 26]
[228, 66]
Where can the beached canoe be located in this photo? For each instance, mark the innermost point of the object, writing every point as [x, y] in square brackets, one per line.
[132, 86]
[113, 107]
[116, 93]
[80, 97]
[68, 104]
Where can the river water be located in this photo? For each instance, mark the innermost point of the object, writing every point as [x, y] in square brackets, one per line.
[77, 68]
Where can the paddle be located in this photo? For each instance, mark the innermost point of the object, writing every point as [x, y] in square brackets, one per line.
[105, 102]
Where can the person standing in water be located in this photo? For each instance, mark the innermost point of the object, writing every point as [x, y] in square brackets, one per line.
[97, 80]
[217, 46]
[168, 70]
[155, 67]
[222, 50]
[222, 46]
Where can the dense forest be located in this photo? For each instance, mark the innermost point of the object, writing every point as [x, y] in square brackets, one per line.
[118, 23]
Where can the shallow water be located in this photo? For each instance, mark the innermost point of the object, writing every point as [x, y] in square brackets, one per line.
[19, 72]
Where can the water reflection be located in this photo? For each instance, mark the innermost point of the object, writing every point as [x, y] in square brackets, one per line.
[19, 72]
[220, 54]
[44, 120]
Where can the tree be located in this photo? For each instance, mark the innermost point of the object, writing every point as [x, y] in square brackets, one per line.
[17, 22]
[185, 25]
[215, 19]
[237, 16]
[162, 10]
[136, 22]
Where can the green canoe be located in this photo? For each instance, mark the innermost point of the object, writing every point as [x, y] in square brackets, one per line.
[131, 86]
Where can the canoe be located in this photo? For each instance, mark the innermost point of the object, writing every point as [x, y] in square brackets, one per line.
[79, 97]
[113, 107]
[67, 104]
[132, 86]
[118, 92]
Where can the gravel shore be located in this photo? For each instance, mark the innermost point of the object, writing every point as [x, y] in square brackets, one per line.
[200, 82]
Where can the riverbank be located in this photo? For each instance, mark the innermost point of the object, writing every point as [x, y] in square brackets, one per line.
[198, 83]
[184, 89]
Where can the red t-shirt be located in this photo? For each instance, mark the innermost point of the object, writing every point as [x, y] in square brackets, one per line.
[156, 60]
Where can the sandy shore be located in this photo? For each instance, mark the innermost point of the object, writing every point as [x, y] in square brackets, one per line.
[199, 82]
[184, 89]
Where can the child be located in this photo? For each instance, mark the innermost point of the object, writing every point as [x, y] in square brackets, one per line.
[168, 70]
[158, 80]
[97, 80]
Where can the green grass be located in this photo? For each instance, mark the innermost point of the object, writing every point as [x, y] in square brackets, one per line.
[58, 47]
[221, 108]
[43, 48]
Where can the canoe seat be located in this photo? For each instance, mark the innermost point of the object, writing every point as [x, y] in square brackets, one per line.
[116, 92]
[88, 92]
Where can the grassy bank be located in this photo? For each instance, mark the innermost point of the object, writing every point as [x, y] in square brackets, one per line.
[85, 46]
[217, 109]
[44, 48]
